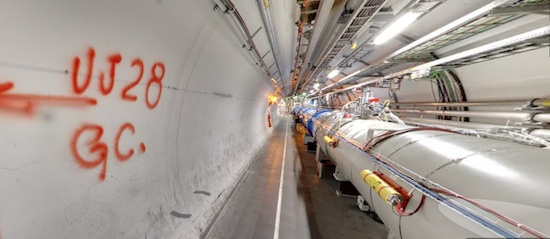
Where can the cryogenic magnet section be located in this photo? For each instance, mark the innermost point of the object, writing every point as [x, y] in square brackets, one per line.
[453, 180]
[515, 175]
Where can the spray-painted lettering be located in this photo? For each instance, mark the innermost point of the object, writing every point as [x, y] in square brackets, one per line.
[104, 88]
[106, 85]
[125, 95]
[87, 142]
[77, 88]
[95, 146]
[87, 145]
[155, 79]
[94, 152]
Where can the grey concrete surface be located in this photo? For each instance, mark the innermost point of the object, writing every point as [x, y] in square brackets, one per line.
[310, 207]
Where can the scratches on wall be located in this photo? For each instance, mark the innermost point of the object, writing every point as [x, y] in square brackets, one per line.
[220, 94]
[202, 192]
[180, 215]
[20, 167]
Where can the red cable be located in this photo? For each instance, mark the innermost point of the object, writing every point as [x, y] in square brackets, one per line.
[390, 134]
[502, 217]
[401, 209]
[491, 211]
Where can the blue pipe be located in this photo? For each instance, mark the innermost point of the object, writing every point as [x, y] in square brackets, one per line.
[315, 117]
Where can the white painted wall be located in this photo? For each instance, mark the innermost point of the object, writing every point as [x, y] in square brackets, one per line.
[194, 140]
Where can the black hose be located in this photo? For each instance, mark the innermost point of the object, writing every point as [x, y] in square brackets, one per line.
[462, 91]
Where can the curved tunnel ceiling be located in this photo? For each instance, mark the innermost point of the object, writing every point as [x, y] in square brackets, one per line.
[132, 119]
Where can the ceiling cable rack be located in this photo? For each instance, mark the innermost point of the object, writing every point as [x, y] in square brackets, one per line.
[530, 40]
[297, 64]
[358, 19]
[481, 20]
[227, 7]
[322, 13]
[476, 22]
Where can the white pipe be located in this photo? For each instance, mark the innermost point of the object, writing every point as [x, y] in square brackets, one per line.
[469, 103]
[542, 133]
[500, 175]
[519, 116]
[542, 117]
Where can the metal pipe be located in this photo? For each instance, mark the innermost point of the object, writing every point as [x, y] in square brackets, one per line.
[491, 129]
[519, 116]
[230, 7]
[221, 5]
[461, 104]
[300, 33]
[320, 21]
[457, 124]
[540, 102]
[340, 34]
[337, 36]
[542, 133]
[267, 19]
[542, 117]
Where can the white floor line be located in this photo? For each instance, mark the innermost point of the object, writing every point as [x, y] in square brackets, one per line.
[278, 215]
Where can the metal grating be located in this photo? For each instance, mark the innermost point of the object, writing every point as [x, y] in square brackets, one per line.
[524, 3]
[501, 52]
[298, 62]
[486, 22]
[367, 11]
[527, 41]
[422, 52]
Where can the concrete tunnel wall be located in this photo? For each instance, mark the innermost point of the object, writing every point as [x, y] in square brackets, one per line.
[88, 161]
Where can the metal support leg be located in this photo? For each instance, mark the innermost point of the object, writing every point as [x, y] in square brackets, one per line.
[323, 170]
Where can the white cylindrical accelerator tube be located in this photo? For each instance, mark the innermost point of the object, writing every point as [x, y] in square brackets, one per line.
[305, 116]
[510, 178]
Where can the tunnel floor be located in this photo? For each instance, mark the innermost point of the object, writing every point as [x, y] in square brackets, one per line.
[309, 206]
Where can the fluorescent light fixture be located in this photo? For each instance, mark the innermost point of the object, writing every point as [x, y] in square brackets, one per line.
[396, 27]
[311, 91]
[333, 73]
[316, 86]
[450, 26]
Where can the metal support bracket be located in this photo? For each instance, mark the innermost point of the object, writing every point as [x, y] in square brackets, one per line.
[256, 32]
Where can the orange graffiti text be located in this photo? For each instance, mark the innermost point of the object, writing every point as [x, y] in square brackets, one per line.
[107, 83]
[89, 137]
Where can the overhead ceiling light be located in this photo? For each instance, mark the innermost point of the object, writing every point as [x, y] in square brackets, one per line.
[316, 86]
[333, 73]
[311, 91]
[396, 27]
